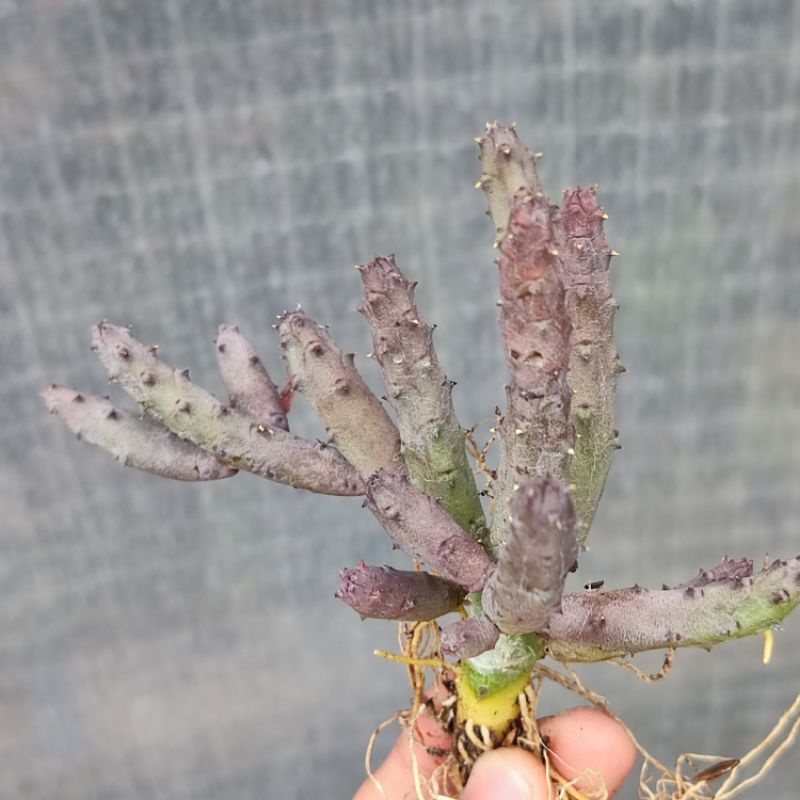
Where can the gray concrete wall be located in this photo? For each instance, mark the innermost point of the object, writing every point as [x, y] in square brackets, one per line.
[175, 164]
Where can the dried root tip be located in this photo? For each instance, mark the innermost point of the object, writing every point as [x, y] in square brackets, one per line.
[249, 386]
[508, 168]
[134, 440]
[328, 379]
[197, 416]
[468, 638]
[594, 626]
[419, 525]
[525, 590]
[583, 264]
[420, 393]
[386, 593]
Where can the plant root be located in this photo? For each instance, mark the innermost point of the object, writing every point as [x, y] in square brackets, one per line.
[371, 746]
[691, 778]
[678, 787]
[479, 454]
[673, 784]
[643, 676]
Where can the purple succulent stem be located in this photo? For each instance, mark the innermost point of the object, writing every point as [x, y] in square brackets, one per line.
[507, 168]
[386, 593]
[193, 414]
[132, 439]
[594, 626]
[536, 434]
[583, 262]
[727, 569]
[433, 441]
[467, 638]
[250, 388]
[525, 589]
[419, 525]
[354, 418]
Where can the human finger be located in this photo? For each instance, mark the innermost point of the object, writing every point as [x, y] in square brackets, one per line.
[509, 773]
[585, 745]
[588, 745]
[396, 774]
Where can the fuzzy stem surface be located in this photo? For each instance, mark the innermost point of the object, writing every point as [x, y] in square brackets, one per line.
[536, 434]
[594, 626]
[525, 589]
[132, 439]
[195, 415]
[467, 638]
[354, 418]
[250, 388]
[418, 525]
[507, 168]
[583, 261]
[407, 595]
[433, 442]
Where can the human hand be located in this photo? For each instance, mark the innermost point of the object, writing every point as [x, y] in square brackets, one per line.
[583, 741]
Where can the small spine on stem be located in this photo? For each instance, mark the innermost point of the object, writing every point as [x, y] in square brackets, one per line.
[406, 595]
[168, 396]
[467, 638]
[433, 441]
[508, 168]
[354, 418]
[536, 434]
[583, 261]
[418, 525]
[250, 388]
[595, 626]
[134, 440]
[525, 589]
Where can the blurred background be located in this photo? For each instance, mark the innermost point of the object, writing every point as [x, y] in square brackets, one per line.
[175, 164]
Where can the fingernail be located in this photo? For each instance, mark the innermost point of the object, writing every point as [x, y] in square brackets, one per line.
[496, 777]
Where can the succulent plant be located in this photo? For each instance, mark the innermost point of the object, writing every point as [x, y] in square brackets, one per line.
[556, 434]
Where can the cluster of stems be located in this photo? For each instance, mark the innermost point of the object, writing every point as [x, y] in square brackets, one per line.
[407, 455]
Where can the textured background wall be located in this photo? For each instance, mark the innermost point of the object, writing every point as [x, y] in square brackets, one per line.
[179, 163]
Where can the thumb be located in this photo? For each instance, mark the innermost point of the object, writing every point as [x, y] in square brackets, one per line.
[509, 773]
[582, 740]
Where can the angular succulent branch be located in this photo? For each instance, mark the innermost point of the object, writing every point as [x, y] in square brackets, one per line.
[594, 626]
[727, 569]
[469, 637]
[584, 258]
[433, 443]
[132, 439]
[525, 590]
[193, 414]
[250, 388]
[520, 598]
[386, 593]
[508, 169]
[354, 418]
[536, 434]
[418, 525]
